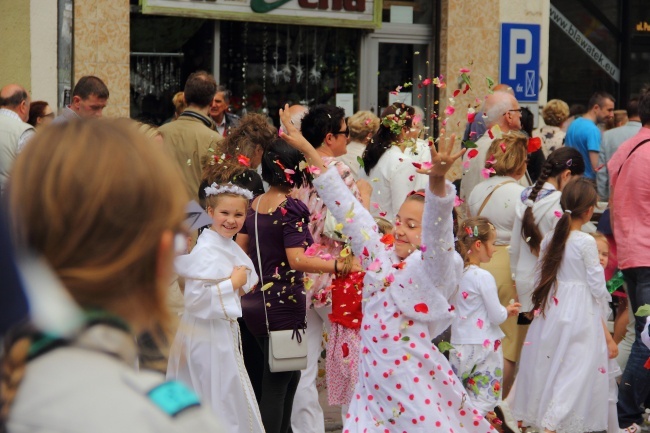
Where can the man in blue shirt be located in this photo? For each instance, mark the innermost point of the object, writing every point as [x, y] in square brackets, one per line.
[584, 135]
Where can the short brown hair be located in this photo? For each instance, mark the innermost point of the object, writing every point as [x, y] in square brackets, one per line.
[555, 112]
[90, 85]
[200, 89]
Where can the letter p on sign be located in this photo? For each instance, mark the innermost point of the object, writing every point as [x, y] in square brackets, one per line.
[517, 55]
[520, 44]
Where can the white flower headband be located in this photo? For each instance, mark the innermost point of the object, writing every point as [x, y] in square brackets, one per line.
[229, 188]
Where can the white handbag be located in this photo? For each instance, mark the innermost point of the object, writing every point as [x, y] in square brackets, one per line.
[287, 349]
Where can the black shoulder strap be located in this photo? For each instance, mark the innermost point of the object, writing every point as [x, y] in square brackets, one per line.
[630, 154]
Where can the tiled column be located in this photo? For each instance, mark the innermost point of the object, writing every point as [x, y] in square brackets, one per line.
[469, 39]
[102, 46]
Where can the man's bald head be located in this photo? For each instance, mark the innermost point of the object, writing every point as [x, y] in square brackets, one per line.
[14, 97]
[503, 88]
[501, 109]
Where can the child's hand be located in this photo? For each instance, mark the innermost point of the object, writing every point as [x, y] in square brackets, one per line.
[612, 348]
[442, 159]
[293, 137]
[239, 277]
[513, 309]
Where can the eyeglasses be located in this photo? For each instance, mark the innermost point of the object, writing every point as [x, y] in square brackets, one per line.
[346, 132]
[518, 110]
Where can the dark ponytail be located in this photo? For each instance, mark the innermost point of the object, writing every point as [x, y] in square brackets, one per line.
[564, 158]
[393, 119]
[578, 196]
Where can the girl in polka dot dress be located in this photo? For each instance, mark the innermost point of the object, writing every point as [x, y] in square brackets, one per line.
[405, 384]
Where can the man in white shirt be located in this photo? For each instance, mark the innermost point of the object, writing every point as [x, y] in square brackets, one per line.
[14, 131]
[502, 110]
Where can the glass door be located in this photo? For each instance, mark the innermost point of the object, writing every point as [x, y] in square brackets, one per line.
[395, 61]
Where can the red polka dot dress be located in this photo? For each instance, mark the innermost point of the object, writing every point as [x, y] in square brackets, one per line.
[405, 384]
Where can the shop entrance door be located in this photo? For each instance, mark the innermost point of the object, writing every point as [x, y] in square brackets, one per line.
[393, 56]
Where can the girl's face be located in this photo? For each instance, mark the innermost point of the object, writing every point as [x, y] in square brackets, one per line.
[486, 249]
[603, 252]
[228, 215]
[408, 228]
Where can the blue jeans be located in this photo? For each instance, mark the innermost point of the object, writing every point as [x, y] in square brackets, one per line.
[634, 389]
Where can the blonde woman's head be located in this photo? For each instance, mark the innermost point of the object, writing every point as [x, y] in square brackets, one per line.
[508, 155]
[101, 206]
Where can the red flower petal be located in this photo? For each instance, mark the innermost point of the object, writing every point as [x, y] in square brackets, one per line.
[534, 144]
[472, 153]
[421, 308]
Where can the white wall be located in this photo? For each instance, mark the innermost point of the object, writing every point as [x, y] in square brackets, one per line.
[43, 44]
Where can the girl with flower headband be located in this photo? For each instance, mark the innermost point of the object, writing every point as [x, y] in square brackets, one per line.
[563, 380]
[386, 164]
[477, 357]
[405, 384]
[206, 353]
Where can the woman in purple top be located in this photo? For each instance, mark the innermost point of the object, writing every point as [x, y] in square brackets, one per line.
[283, 235]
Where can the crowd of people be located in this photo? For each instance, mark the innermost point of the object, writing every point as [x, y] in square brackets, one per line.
[485, 308]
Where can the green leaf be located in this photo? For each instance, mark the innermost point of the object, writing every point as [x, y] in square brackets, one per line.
[360, 161]
[465, 79]
[643, 311]
[444, 346]
[469, 144]
[490, 82]
[406, 338]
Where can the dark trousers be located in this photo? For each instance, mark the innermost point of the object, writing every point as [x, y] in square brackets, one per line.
[278, 390]
[634, 389]
[253, 359]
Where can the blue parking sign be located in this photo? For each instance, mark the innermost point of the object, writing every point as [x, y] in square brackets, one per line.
[520, 59]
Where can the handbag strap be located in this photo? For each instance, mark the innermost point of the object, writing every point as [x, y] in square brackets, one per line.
[259, 263]
[630, 154]
[490, 195]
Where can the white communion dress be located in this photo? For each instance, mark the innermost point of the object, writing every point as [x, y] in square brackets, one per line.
[206, 352]
[405, 384]
[563, 379]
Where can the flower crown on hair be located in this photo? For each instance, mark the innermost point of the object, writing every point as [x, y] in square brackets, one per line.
[395, 122]
[228, 188]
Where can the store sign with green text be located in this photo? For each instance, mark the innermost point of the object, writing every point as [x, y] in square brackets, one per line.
[332, 13]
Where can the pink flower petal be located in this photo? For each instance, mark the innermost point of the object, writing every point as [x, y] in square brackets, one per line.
[450, 110]
[479, 323]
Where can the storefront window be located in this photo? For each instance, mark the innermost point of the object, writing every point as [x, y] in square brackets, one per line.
[422, 10]
[575, 73]
[268, 65]
[164, 51]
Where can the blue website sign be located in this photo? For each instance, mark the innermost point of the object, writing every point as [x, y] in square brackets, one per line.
[520, 60]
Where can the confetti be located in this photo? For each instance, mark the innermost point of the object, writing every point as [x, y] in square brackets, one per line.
[421, 308]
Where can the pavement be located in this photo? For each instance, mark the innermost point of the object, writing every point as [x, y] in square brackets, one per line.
[332, 414]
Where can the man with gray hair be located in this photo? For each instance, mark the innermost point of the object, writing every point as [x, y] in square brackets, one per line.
[14, 131]
[224, 120]
[502, 110]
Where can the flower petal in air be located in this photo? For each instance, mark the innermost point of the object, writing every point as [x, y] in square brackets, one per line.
[421, 308]
[473, 153]
[449, 110]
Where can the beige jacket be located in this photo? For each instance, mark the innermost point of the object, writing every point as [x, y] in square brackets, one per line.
[189, 140]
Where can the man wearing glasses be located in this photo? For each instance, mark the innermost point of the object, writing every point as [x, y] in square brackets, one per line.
[584, 135]
[501, 110]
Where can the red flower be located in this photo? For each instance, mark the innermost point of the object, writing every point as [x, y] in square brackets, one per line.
[244, 160]
[388, 239]
[534, 144]
[421, 308]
